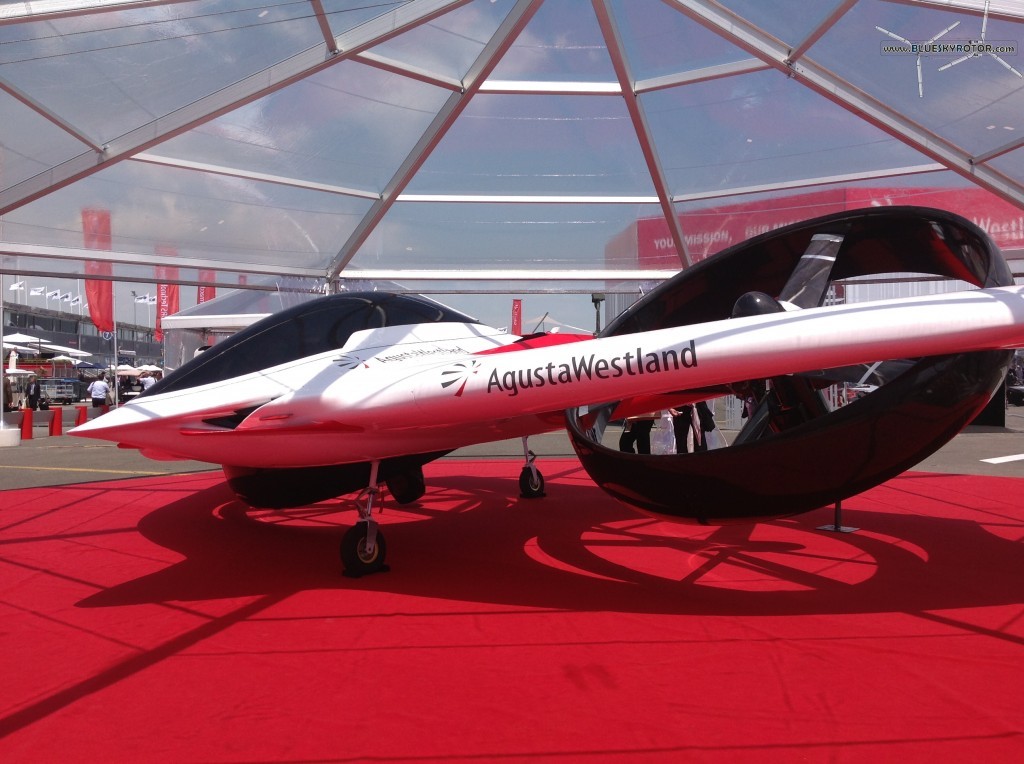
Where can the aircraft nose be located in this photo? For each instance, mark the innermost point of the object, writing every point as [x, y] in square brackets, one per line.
[104, 426]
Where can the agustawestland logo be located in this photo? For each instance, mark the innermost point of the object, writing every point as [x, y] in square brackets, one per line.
[347, 361]
[580, 368]
[459, 374]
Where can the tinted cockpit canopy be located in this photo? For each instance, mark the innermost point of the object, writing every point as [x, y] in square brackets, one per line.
[304, 330]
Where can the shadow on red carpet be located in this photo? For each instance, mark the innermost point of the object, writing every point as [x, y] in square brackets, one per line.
[855, 635]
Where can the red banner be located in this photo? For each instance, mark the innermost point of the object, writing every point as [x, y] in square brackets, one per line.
[206, 290]
[167, 295]
[649, 244]
[100, 293]
[517, 317]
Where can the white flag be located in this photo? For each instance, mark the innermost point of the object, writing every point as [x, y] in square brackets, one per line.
[55, 294]
[66, 297]
[18, 285]
[76, 299]
[36, 291]
[151, 299]
[143, 298]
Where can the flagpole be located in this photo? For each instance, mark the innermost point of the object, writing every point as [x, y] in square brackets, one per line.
[113, 315]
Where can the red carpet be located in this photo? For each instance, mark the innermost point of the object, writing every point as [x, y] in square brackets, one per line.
[157, 620]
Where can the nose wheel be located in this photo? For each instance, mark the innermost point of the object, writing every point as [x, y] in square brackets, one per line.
[363, 548]
[531, 482]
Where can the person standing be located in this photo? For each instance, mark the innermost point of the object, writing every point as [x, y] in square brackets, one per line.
[98, 390]
[637, 431]
[33, 392]
[8, 394]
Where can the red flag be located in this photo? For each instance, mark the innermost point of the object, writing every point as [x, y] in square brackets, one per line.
[166, 294]
[99, 293]
[206, 291]
[517, 317]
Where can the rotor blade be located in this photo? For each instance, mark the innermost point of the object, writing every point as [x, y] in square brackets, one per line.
[876, 374]
[808, 283]
[950, 28]
[893, 35]
[963, 58]
[997, 58]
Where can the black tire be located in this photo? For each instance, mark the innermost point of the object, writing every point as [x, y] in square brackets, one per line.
[406, 487]
[353, 552]
[531, 487]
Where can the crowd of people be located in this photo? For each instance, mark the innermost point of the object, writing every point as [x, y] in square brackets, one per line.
[99, 390]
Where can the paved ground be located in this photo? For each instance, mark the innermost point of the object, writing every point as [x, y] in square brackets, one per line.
[44, 461]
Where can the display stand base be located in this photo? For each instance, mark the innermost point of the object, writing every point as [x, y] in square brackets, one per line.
[837, 526]
[10, 436]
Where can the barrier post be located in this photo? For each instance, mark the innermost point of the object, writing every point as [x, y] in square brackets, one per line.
[57, 421]
[26, 423]
[82, 415]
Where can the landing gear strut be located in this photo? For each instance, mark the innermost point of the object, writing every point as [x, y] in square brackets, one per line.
[363, 548]
[531, 482]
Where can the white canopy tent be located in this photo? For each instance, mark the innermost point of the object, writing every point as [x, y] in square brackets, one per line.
[485, 146]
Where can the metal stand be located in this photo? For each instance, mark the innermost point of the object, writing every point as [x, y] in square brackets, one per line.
[837, 525]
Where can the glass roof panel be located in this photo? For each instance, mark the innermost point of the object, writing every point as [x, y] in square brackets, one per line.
[562, 42]
[959, 102]
[448, 45]
[660, 40]
[500, 237]
[789, 21]
[538, 144]
[349, 125]
[108, 73]
[762, 128]
[196, 215]
[29, 143]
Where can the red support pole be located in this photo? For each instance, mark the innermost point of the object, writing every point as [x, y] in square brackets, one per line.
[57, 421]
[82, 416]
[26, 424]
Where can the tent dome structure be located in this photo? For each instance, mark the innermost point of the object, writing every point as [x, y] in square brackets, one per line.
[487, 145]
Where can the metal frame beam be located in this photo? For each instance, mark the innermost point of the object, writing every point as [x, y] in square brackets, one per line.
[499, 42]
[819, 79]
[613, 40]
[247, 90]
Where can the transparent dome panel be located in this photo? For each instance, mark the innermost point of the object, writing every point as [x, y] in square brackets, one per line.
[563, 42]
[761, 129]
[29, 143]
[349, 126]
[499, 236]
[955, 95]
[789, 21]
[197, 215]
[660, 40]
[448, 45]
[538, 144]
[109, 73]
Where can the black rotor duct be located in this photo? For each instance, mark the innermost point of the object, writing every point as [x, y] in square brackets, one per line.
[834, 455]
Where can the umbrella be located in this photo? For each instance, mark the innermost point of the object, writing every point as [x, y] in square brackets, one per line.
[64, 359]
[128, 371]
[21, 338]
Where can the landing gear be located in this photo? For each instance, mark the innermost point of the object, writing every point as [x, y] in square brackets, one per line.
[531, 482]
[363, 547]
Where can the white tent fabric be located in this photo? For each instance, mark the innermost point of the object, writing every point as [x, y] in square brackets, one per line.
[487, 145]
